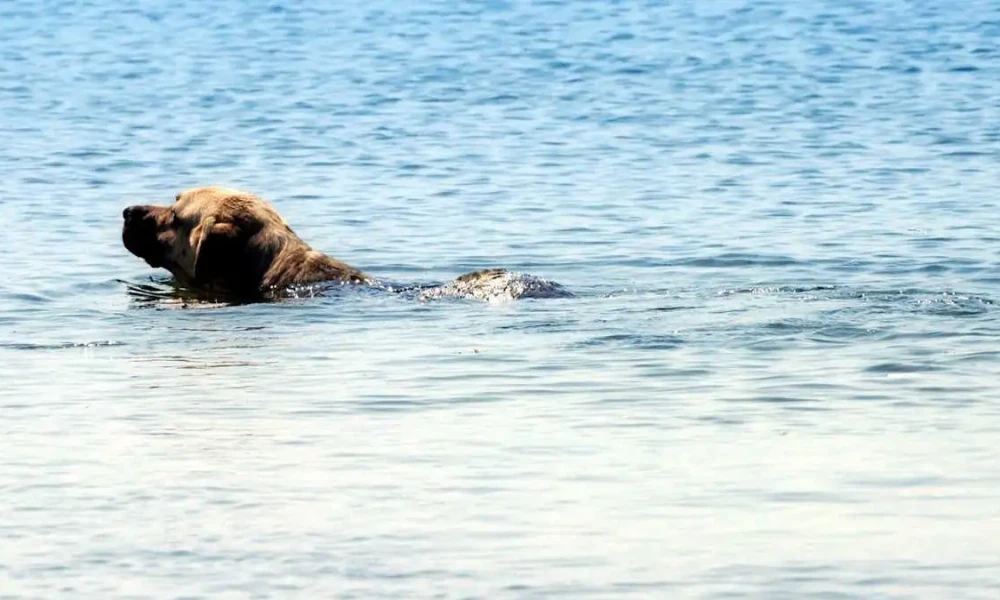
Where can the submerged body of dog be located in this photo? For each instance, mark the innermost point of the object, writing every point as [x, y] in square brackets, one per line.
[225, 241]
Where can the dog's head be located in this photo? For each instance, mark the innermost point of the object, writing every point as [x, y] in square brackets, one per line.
[210, 237]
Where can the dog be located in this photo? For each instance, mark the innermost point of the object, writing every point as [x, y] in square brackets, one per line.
[227, 242]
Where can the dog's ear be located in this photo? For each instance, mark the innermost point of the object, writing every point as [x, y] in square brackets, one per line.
[223, 253]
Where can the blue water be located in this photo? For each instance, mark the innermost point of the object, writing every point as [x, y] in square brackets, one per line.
[778, 377]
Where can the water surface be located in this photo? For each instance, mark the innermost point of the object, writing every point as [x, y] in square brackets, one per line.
[777, 378]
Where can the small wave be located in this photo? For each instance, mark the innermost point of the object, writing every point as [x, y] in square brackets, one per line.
[841, 333]
[906, 300]
[892, 368]
[168, 294]
[26, 298]
[734, 259]
[781, 289]
[939, 303]
[630, 340]
[60, 345]
[775, 399]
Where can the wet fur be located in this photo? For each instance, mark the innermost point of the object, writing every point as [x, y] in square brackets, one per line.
[226, 241]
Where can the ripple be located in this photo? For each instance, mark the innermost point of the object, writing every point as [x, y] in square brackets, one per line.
[638, 341]
[737, 260]
[894, 368]
[29, 346]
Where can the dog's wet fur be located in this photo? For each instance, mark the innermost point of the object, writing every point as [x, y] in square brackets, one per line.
[230, 243]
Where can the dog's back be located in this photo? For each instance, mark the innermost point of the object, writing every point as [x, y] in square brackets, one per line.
[497, 285]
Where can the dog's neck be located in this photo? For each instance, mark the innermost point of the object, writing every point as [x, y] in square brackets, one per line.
[298, 263]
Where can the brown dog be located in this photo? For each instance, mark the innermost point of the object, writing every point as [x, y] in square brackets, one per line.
[226, 241]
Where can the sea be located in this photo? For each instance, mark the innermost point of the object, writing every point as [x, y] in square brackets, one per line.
[777, 377]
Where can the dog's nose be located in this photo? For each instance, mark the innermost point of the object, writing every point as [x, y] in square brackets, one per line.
[132, 212]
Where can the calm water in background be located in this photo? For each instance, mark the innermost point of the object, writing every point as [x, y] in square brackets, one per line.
[778, 378]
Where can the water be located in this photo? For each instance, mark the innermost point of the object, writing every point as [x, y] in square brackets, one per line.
[777, 378]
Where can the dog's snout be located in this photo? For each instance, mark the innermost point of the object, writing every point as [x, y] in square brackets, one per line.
[133, 212]
[139, 234]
